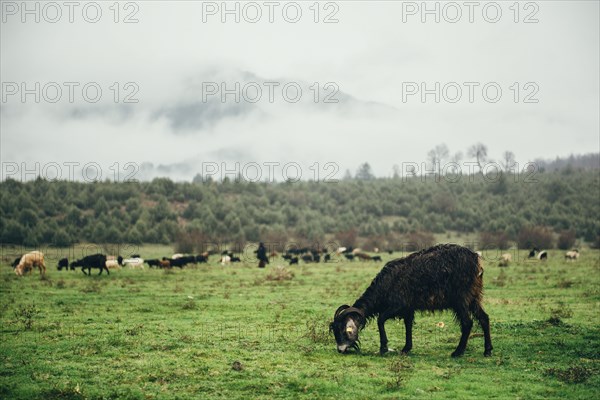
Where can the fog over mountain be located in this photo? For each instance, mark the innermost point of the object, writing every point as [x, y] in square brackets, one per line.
[180, 90]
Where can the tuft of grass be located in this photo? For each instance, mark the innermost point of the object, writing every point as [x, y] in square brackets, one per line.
[573, 374]
[25, 314]
[500, 280]
[400, 367]
[91, 287]
[134, 330]
[317, 332]
[564, 284]
[189, 304]
[280, 273]
[561, 311]
[45, 279]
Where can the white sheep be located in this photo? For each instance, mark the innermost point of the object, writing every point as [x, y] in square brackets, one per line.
[134, 262]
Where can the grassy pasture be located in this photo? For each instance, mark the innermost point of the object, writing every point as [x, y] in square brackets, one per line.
[240, 332]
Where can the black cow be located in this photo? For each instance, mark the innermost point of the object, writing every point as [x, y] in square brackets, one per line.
[200, 258]
[327, 258]
[181, 261]
[307, 258]
[153, 262]
[64, 263]
[89, 262]
[349, 256]
[294, 260]
[376, 258]
[235, 259]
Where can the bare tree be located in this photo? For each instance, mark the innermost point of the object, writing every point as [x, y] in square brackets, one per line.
[508, 160]
[438, 155]
[479, 152]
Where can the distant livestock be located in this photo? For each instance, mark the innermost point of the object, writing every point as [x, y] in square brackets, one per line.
[307, 258]
[376, 258]
[29, 261]
[225, 260]
[153, 262]
[439, 278]
[340, 250]
[543, 255]
[294, 260]
[91, 261]
[63, 263]
[202, 258]
[572, 255]
[533, 252]
[134, 262]
[112, 263]
[505, 260]
[183, 261]
[362, 256]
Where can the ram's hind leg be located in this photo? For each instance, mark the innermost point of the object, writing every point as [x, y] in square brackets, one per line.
[466, 323]
[408, 324]
[484, 321]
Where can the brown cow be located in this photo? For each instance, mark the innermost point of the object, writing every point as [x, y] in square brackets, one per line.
[29, 261]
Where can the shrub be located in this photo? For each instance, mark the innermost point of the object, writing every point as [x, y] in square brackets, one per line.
[416, 241]
[566, 239]
[574, 374]
[347, 238]
[494, 240]
[25, 314]
[187, 241]
[535, 236]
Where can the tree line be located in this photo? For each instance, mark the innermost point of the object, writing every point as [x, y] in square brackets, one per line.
[559, 202]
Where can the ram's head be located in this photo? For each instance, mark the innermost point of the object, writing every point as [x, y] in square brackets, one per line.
[347, 321]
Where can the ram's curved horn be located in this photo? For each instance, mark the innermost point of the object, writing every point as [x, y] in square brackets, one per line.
[339, 310]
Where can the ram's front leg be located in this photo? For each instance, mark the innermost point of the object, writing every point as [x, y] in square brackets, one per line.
[383, 341]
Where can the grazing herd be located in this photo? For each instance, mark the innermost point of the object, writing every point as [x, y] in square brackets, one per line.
[27, 262]
[312, 255]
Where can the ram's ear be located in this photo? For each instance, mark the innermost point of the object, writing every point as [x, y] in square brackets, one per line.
[339, 310]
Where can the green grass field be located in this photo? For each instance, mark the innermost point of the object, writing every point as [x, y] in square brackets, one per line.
[240, 332]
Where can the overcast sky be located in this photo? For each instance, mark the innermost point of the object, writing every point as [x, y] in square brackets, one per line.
[377, 57]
